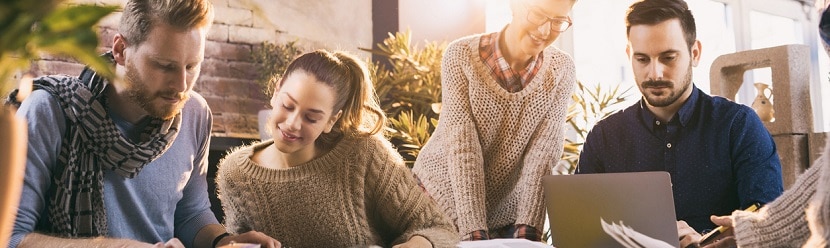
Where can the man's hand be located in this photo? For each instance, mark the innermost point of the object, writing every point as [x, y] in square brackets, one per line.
[688, 235]
[253, 237]
[415, 242]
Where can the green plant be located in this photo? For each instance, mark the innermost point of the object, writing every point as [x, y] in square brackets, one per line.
[411, 132]
[28, 28]
[31, 27]
[409, 89]
[272, 59]
[590, 105]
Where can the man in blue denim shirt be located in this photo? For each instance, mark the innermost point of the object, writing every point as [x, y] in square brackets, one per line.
[719, 155]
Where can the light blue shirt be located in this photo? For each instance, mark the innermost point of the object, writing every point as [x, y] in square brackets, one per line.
[168, 198]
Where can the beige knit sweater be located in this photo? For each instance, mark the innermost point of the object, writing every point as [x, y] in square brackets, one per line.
[485, 160]
[783, 222]
[359, 193]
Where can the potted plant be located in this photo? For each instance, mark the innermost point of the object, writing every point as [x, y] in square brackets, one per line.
[29, 28]
[408, 85]
[589, 106]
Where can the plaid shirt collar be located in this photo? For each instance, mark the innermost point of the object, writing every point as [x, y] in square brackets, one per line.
[509, 79]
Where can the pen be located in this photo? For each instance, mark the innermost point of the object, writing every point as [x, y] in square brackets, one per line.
[714, 233]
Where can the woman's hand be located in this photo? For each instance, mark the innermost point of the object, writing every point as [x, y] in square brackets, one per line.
[725, 221]
[253, 237]
[415, 242]
[725, 239]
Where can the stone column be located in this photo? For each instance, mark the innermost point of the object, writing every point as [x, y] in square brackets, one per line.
[793, 123]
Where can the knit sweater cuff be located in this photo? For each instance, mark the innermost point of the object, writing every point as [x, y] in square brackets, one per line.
[468, 188]
[467, 224]
[744, 228]
[754, 230]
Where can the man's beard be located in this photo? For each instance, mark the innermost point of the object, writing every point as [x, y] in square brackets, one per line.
[139, 94]
[673, 95]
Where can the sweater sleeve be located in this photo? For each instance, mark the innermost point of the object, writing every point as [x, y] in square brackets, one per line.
[46, 126]
[464, 157]
[782, 222]
[545, 147]
[402, 204]
[818, 214]
[227, 191]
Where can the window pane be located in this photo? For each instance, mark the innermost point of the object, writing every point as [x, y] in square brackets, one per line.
[716, 35]
[498, 15]
[768, 31]
[600, 41]
[821, 105]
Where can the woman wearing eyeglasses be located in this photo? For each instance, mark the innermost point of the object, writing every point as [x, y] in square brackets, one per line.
[505, 96]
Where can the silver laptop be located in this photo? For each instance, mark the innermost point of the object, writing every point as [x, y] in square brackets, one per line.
[578, 204]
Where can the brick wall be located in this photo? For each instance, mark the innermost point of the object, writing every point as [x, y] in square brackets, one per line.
[228, 74]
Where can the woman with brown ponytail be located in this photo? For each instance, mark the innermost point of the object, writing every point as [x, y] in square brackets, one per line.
[328, 178]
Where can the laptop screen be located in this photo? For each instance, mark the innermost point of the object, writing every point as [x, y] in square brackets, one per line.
[578, 204]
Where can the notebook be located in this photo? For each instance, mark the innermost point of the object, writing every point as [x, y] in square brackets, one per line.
[579, 204]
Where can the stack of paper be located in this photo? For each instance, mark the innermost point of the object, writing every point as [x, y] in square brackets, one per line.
[502, 243]
[629, 238]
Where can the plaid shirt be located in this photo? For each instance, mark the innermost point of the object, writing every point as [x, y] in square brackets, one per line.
[508, 79]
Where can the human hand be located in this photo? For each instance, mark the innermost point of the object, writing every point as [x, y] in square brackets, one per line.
[253, 237]
[725, 221]
[724, 239]
[172, 243]
[476, 235]
[688, 235]
[415, 242]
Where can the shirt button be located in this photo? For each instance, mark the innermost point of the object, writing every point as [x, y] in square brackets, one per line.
[657, 123]
[668, 145]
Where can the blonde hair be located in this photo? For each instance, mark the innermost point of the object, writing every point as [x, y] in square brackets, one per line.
[355, 94]
[140, 16]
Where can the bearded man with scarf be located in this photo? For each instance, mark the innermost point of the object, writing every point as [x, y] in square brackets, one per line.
[122, 163]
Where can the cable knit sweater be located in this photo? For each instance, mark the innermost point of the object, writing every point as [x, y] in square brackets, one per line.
[485, 161]
[783, 222]
[359, 193]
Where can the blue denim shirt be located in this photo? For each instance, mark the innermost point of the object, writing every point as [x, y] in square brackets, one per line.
[719, 155]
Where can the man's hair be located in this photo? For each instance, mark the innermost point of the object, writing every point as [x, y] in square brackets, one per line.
[141, 16]
[652, 12]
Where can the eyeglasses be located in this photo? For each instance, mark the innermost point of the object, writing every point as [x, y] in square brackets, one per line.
[557, 24]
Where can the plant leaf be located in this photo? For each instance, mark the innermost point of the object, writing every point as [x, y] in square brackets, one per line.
[71, 18]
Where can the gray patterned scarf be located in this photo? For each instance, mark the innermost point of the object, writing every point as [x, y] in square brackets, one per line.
[91, 144]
